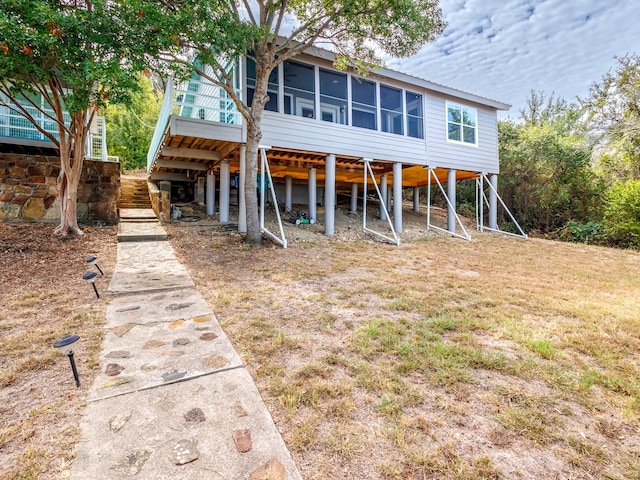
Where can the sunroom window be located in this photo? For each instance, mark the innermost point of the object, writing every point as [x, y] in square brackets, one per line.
[299, 89]
[363, 105]
[272, 90]
[415, 126]
[391, 109]
[461, 124]
[333, 97]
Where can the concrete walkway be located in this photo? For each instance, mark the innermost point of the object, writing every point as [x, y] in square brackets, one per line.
[173, 399]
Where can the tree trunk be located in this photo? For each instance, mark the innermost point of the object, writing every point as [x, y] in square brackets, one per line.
[254, 236]
[254, 135]
[70, 173]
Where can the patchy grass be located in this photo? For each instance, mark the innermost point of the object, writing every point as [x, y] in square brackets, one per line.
[496, 358]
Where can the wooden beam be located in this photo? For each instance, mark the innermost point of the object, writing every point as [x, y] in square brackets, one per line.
[227, 150]
[181, 152]
[174, 177]
[162, 163]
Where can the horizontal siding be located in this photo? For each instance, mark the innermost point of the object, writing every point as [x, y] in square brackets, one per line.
[444, 154]
[290, 131]
[191, 127]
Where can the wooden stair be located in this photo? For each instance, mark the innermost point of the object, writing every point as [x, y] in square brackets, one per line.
[134, 193]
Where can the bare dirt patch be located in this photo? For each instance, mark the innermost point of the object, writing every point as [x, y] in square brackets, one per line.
[42, 298]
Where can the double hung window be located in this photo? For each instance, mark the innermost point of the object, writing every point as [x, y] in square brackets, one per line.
[462, 124]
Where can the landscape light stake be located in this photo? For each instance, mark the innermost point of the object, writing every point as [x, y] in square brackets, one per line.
[93, 260]
[65, 347]
[91, 278]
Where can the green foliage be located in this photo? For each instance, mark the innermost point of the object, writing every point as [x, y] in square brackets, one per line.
[130, 127]
[613, 109]
[589, 232]
[546, 176]
[622, 214]
[76, 56]
[49, 44]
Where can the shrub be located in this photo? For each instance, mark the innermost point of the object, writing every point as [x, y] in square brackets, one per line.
[590, 232]
[622, 214]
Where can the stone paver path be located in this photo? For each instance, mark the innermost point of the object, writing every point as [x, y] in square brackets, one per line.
[173, 399]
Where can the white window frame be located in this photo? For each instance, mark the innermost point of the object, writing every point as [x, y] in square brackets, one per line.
[446, 124]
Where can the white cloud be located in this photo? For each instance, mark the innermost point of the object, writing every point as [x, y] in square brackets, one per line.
[504, 49]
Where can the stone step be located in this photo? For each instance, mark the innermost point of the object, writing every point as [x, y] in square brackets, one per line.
[141, 232]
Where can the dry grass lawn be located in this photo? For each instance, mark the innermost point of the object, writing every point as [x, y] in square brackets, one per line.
[441, 358]
[495, 358]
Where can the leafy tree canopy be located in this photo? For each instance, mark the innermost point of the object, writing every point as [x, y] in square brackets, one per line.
[130, 126]
[76, 56]
[613, 108]
[271, 32]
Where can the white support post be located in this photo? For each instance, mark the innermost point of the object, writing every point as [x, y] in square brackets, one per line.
[354, 197]
[211, 193]
[416, 199]
[493, 202]
[288, 190]
[451, 194]
[329, 194]
[485, 202]
[242, 201]
[312, 194]
[225, 191]
[383, 197]
[397, 197]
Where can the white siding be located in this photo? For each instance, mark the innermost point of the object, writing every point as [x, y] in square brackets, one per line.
[444, 154]
[292, 132]
[191, 127]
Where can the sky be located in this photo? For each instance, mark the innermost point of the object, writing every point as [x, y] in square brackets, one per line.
[503, 49]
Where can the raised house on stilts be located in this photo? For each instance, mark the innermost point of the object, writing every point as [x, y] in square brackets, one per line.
[328, 132]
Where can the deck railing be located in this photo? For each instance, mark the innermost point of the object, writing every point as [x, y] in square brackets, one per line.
[16, 126]
[195, 99]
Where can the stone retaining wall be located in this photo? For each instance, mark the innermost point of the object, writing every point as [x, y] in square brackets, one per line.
[29, 189]
[161, 200]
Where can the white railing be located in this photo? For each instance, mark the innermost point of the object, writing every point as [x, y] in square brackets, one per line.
[16, 126]
[196, 99]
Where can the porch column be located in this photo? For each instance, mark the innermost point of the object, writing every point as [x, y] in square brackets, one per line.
[416, 199]
[329, 194]
[312, 193]
[211, 192]
[383, 192]
[354, 198]
[397, 197]
[493, 202]
[242, 201]
[451, 194]
[225, 191]
[288, 189]
[389, 197]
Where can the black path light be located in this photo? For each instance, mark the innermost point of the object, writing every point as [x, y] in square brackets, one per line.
[91, 278]
[65, 347]
[93, 260]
